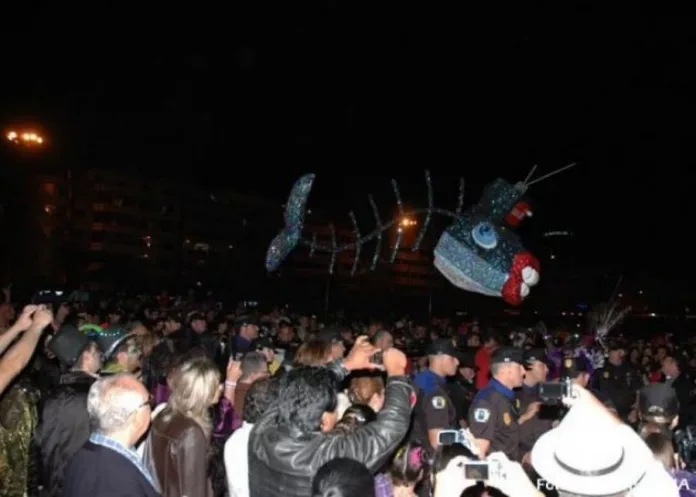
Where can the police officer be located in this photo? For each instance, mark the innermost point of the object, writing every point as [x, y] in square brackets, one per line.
[434, 409]
[619, 381]
[685, 387]
[461, 388]
[539, 418]
[494, 415]
[576, 370]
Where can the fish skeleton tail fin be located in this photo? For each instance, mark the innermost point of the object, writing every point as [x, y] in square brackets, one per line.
[291, 234]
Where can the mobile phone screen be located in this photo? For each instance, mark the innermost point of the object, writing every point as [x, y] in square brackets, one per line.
[477, 471]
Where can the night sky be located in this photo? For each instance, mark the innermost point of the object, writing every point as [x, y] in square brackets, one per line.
[256, 95]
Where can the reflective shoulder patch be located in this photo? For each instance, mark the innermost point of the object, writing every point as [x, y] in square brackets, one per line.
[481, 415]
[439, 402]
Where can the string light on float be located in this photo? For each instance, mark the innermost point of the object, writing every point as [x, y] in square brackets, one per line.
[406, 222]
[26, 138]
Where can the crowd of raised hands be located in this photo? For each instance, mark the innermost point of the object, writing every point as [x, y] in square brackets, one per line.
[17, 344]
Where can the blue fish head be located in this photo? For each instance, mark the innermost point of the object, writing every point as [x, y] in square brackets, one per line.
[480, 253]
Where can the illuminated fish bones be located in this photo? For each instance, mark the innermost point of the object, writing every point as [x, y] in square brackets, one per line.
[479, 252]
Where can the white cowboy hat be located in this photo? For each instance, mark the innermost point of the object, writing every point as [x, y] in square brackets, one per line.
[588, 454]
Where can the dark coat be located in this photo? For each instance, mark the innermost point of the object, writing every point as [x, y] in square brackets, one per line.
[63, 429]
[97, 471]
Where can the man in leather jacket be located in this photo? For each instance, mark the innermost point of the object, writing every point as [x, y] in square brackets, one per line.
[293, 439]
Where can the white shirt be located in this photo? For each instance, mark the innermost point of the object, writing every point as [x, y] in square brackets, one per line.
[236, 461]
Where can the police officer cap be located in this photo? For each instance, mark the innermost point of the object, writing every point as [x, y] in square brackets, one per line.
[446, 347]
[246, 320]
[468, 357]
[534, 355]
[508, 354]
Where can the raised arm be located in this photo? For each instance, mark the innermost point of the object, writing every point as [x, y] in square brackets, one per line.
[375, 442]
[16, 359]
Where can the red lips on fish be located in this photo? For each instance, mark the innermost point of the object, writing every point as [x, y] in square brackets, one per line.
[511, 288]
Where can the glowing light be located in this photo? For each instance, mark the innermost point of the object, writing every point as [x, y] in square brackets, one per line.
[406, 222]
[27, 138]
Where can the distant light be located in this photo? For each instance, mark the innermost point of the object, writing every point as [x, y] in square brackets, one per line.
[652, 314]
[27, 138]
[406, 222]
[620, 295]
[553, 256]
[640, 292]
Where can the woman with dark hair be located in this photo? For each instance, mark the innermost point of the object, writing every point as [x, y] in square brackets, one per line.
[354, 417]
[403, 472]
[342, 477]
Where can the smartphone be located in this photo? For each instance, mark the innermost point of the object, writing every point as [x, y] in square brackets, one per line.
[477, 471]
[553, 392]
[378, 358]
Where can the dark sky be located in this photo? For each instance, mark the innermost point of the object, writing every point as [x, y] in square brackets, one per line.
[256, 95]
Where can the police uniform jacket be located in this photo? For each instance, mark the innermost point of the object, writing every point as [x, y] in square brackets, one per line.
[494, 417]
[462, 393]
[620, 383]
[434, 408]
[536, 426]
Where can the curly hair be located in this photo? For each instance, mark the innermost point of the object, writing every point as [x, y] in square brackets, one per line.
[305, 394]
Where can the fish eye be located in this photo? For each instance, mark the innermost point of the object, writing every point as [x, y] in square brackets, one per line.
[485, 236]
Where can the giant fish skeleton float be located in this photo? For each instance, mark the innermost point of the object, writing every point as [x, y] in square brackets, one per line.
[479, 252]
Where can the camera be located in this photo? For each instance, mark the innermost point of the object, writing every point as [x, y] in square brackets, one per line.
[378, 358]
[463, 437]
[450, 437]
[481, 470]
[552, 392]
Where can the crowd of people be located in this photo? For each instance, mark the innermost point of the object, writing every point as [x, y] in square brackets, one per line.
[182, 398]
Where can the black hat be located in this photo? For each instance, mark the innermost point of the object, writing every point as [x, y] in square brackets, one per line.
[533, 355]
[261, 343]
[67, 344]
[110, 339]
[508, 354]
[446, 347]
[246, 320]
[571, 367]
[658, 400]
[468, 357]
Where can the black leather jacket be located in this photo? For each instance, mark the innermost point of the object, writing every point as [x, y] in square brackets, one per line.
[64, 428]
[283, 464]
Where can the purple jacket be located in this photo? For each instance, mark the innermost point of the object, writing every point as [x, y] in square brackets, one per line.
[686, 483]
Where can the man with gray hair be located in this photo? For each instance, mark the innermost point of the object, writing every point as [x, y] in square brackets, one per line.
[107, 465]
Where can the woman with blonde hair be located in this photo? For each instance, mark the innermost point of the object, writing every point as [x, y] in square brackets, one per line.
[179, 441]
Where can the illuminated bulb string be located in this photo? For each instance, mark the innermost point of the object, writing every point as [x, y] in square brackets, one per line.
[381, 227]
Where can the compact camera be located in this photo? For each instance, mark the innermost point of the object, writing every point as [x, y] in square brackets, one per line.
[482, 470]
[553, 392]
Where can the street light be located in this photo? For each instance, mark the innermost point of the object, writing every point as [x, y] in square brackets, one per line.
[26, 138]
